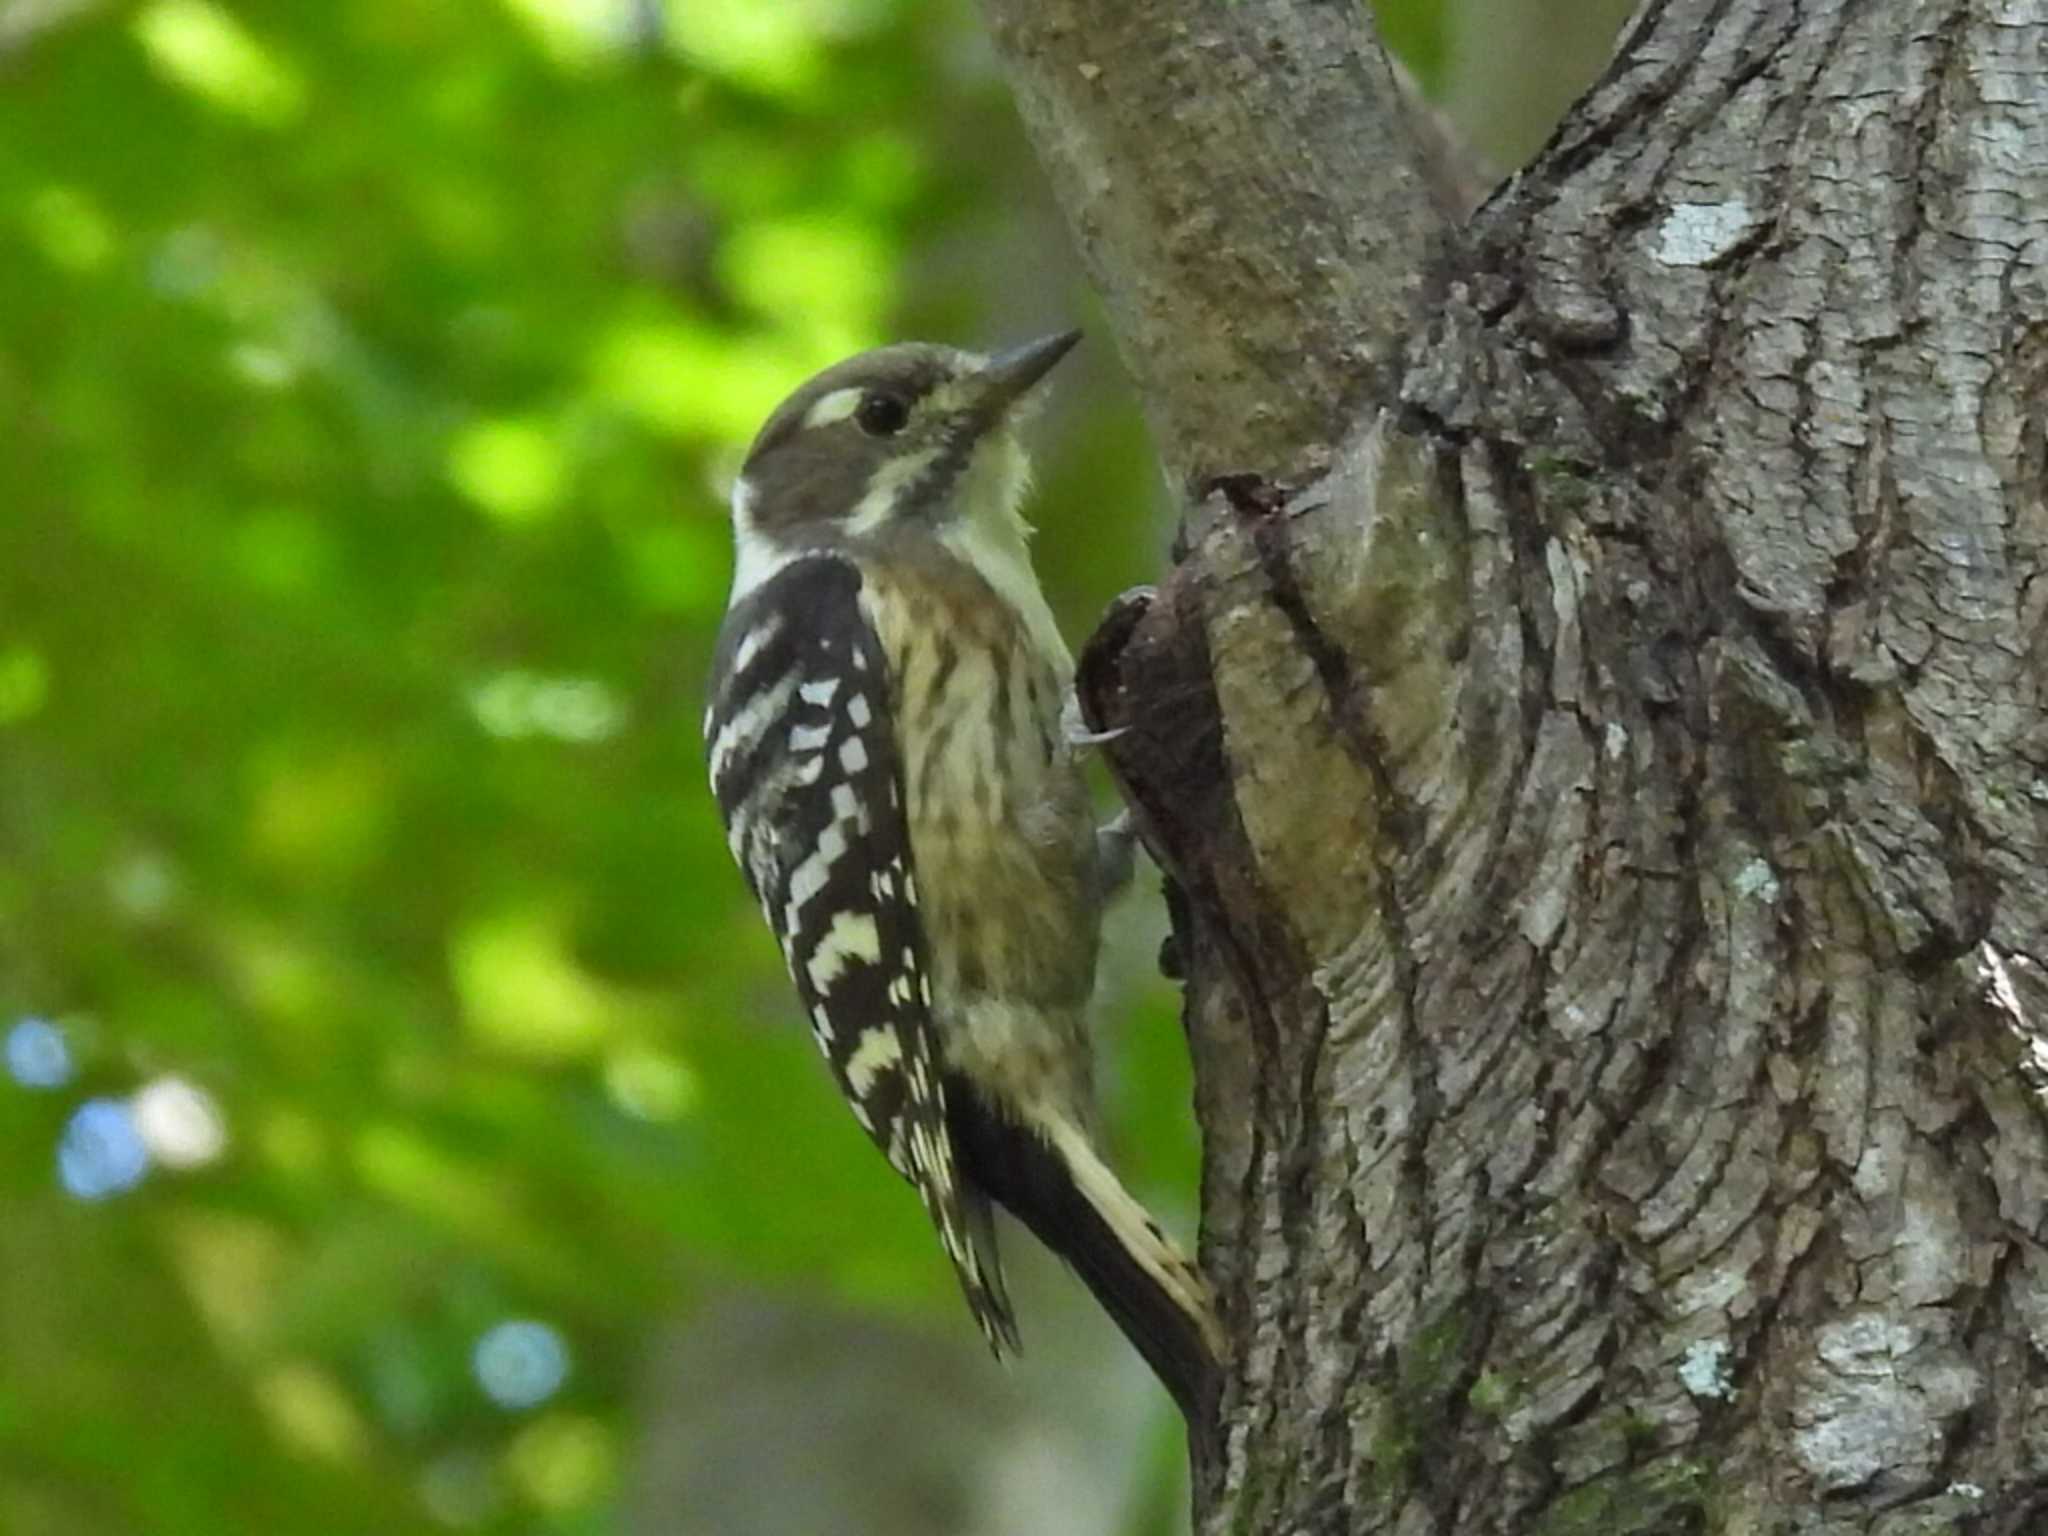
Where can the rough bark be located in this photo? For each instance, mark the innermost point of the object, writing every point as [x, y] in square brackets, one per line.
[1608, 807]
[1246, 195]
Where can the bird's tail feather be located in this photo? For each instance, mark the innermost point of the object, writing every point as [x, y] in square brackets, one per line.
[982, 1277]
[1050, 1177]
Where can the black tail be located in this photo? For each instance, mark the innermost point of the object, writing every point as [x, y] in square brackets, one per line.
[1051, 1180]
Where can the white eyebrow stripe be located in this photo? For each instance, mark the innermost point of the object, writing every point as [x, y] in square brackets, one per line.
[954, 393]
[837, 406]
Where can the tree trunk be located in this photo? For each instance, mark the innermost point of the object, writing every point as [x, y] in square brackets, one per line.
[1597, 733]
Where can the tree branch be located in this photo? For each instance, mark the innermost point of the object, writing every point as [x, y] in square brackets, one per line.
[1245, 187]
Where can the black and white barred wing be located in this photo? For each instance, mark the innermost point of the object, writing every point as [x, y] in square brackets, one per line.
[805, 766]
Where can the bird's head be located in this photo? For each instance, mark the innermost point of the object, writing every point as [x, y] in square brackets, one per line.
[903, 437]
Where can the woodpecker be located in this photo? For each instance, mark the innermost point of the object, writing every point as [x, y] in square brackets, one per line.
[887, 748]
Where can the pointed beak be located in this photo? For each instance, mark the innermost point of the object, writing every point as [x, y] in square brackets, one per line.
[1008, 375]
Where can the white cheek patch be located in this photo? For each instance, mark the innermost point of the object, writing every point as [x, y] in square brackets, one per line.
[756, 557]
[876, 507]
[837, 406]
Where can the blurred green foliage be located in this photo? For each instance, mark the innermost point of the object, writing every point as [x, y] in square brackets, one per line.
[369, 375]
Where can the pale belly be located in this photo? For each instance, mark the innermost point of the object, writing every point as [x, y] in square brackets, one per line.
[1002, 833]
[1003, 842]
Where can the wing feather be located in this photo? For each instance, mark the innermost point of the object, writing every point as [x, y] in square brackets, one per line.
[806, 768]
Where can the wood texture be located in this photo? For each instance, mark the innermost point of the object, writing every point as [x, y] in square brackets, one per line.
[1245, 190]
[1609, 806]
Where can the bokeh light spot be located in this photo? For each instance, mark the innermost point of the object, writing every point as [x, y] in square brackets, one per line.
[102, 1153]
[262, 367]
[515, 705]
[521, 1363]
[189, 263]
[143, 886]
[208, 51]
[818, 267]
[778, 49]
[510, 467]
[692, 382]
[578, 709]
[460, 1488]
[24, 683]
[38, 1055]
[561, 1462]
[70, 228]
[649, 1084]
[311, 1412]
[577, 34]
[180, 1125]
[523, 989]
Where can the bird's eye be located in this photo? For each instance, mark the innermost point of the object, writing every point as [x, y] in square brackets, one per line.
[881, 415]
